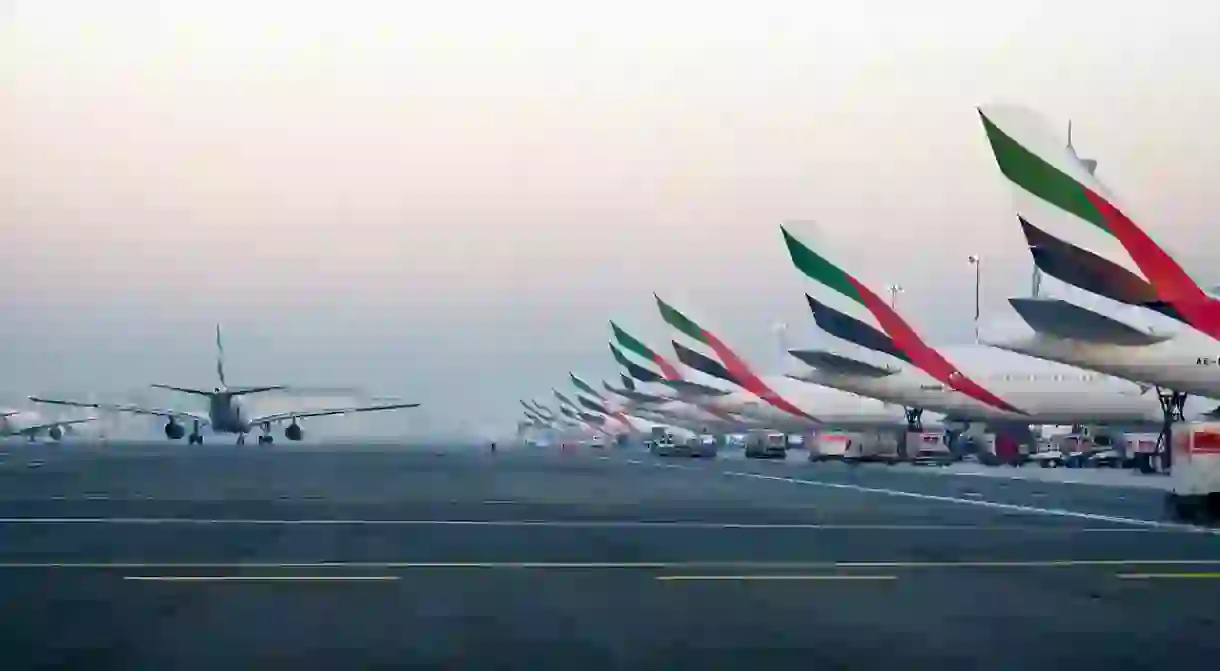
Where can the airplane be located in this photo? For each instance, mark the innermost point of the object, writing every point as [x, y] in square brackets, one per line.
[789, 405]
[639, 420]
[1078, 233]
[31, 425]
[971, 383]
[226, 411]
[683, 400]
[593, 400]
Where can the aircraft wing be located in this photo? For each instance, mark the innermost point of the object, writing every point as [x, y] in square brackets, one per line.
[188, 415]
[300, 414]
[35, 430]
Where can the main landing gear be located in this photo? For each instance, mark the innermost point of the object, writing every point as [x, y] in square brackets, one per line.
[1172, 410]
[914, 425]
[266, 438]
[196, 438]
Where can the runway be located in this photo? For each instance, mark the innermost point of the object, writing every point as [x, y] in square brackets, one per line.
[350, 556]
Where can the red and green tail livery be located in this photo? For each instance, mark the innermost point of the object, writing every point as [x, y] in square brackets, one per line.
[901, 335]
[1017, 141]
[735, 368]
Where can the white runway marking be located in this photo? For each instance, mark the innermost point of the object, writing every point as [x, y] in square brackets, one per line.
[1057, 512]
[568, 524]
[995, 505]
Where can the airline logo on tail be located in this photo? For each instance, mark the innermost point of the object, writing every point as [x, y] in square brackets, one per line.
[652, 367]
[726, 364]
[1048, 184]
[901, 337]
[542, 410]
[593, 400]
[571, 411]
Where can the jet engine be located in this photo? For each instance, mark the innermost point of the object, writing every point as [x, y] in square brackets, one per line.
[174, 430]
[56, 432]
[294, 432]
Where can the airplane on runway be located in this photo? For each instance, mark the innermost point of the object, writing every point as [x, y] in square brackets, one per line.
[31, 425]
[1078, 233]
[972, 383]
[227, 413]
[788, 405]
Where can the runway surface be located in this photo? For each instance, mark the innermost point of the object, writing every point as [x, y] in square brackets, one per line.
[163, 556]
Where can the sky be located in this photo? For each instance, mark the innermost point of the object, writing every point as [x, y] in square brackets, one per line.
[446, 202]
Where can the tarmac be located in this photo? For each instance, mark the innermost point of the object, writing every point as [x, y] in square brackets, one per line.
[162, 556]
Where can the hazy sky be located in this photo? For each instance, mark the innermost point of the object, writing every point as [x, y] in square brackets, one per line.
[447, 200]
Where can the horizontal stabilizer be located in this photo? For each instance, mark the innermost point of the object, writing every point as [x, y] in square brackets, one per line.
[184, 390]
[694, 389]
[835, 363]
[634, 395]
[1086, 270]
[1062, 319]
[846, 327]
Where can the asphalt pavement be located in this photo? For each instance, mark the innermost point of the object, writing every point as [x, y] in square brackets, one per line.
[155, 556]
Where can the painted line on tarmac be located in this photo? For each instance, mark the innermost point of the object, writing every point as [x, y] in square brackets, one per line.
[656, 565]
[982, 503]
[764, 577]
[1169, 576]
[261, 578]
[571, 524]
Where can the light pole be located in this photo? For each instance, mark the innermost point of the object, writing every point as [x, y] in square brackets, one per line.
[894, 290]
[977, 262]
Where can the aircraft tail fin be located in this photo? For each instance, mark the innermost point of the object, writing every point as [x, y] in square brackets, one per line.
[1055, 189]
[718, 360]
[220, 358]
[892, 334]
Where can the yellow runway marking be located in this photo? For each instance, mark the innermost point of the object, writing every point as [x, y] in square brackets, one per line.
[261, 578]
[763, 577]
[1169, 576]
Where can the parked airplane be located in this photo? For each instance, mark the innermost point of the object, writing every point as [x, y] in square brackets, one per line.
[970, 382]
[1078, 233]
[32, 425]
[689, 403]
[227, 413]
[788, 405]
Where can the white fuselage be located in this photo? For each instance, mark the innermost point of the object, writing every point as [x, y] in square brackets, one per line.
[833, 409]
[228, 414]
[1188, 363]
[13, 425]
[1045, 392]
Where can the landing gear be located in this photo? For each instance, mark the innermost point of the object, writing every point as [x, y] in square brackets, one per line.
[1172, 405]
[914, 425]
[241, 439]
[195, 438]
[266, 438]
